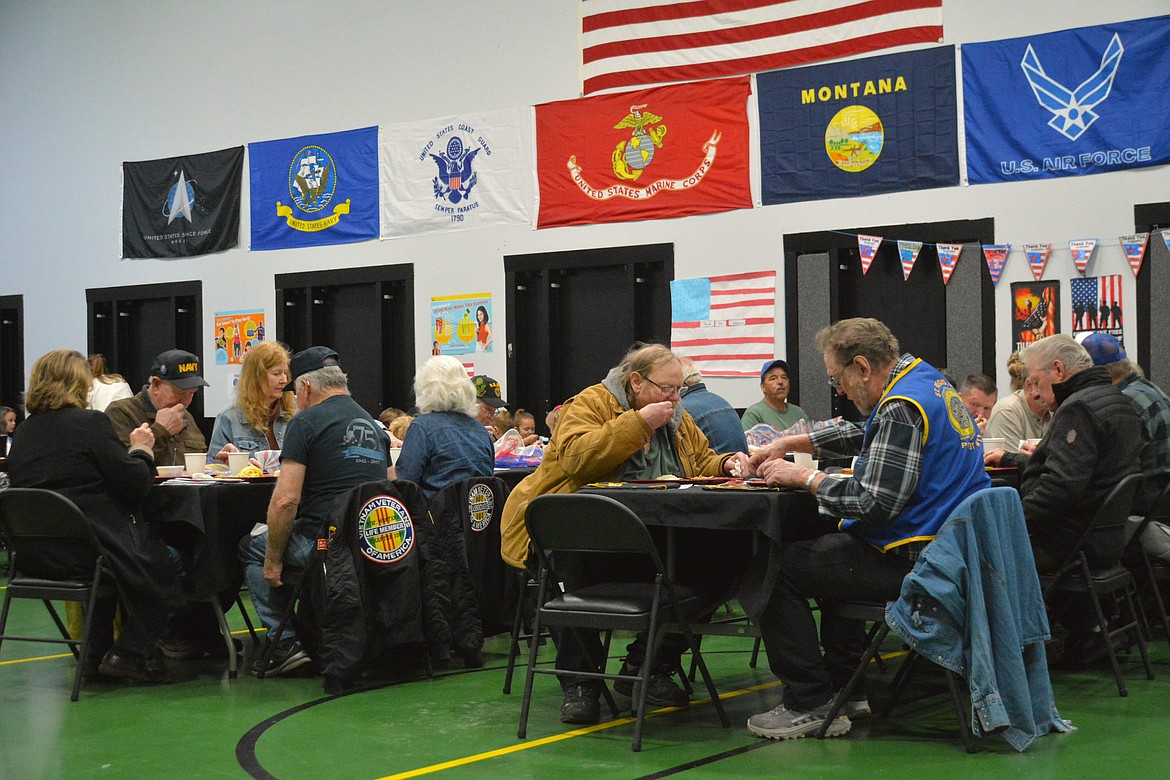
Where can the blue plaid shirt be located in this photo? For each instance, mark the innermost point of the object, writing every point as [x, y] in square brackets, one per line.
[1153, 407]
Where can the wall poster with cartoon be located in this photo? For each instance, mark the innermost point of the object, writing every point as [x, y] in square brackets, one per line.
[461, 324]
[1035, 311]
[235, 333]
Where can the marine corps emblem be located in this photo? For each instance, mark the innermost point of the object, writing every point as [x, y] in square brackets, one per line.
[632, 156]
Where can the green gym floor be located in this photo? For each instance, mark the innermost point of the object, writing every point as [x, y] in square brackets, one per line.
[460, 725]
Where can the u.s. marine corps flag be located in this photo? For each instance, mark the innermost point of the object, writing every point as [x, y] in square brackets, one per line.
[1069, 103]
[182, 206]
[657, 153]
[314, 190]
[860, 127]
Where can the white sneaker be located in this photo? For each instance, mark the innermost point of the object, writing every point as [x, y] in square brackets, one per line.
[855, 709]
[783, 723]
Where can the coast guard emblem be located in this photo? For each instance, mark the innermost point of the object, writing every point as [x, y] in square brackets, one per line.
[385, 531]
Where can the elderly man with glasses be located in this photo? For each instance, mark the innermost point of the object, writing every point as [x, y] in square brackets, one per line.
[918, 458]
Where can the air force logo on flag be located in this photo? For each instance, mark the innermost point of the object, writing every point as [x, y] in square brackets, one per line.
[1072, 109]
[1068, 103]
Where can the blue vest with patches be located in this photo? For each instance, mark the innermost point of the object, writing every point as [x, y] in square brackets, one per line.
[952, 459]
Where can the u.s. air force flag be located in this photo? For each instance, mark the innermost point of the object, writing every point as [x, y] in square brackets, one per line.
[457, 173]
[1069, 103]
[878, 124]
[182, 206]
[314, 190]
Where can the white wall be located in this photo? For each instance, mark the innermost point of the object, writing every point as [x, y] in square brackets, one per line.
[85, 86]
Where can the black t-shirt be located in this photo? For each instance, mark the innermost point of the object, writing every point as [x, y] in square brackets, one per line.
[341, 447]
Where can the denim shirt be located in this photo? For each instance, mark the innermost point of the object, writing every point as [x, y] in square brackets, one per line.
[230, 426]
[972, 604]
[445, 447]
[715, 418]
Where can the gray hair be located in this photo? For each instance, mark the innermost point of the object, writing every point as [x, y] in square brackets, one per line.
[864, 336]
[325, 379]
[642, 358]
[691, 373]
[1062, 347]
[442, 385]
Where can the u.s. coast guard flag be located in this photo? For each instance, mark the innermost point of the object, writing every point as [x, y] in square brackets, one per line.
[457, 173]
[1069, 103]
[878, 124]
[314, 190]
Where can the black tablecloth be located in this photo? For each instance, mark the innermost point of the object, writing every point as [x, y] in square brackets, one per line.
[205, 523]
[512, 477]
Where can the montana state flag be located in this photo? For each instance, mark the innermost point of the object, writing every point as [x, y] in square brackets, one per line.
[1069, 103]
[656, 153]
[861, 127]
[182, 206]
[314, 190]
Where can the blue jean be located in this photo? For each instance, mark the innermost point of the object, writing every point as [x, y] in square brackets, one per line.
[271, 603]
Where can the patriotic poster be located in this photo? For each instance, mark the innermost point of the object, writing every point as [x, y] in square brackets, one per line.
[726, 324]
[1035, 311]
[1069, 103]
[861, 127]
[235, 333]
[1096, 305]
[314, 190]
[653, 154]
[457, 173]
[182, 206]
[626, 43]
[461, 324]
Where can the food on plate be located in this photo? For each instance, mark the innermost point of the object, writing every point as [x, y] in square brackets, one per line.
[250, 471]
[669, 476]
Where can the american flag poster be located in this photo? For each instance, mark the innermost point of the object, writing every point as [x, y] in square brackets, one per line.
[726, 324]
[1096, 305]
[1035, 311]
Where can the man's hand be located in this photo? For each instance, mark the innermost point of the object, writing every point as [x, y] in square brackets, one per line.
[171, 418]
[657, 414]
[981, 422]
[782, 473]
[736, 465]
[777, 450]
[1027, 448]
[142, 436]
[993, 458]
[272, 572]
[222, 455]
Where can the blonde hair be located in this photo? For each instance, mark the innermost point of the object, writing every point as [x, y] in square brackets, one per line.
[399, 425]
[252, 391]
[503, 420]
[59, 379]
[1017, 370]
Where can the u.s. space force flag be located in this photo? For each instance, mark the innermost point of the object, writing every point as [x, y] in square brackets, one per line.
[457, 173]
[182, 206]
[1069, 103]
[726, 324]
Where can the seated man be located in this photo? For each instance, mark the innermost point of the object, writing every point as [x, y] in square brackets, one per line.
[489, 401]
[918, 458]
[163, 402]
[715, 417]
[1092, 443]
[331, 446]
[979, 394]
[1019, 415]
[774, 409]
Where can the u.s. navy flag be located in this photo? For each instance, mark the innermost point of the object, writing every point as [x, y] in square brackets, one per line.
[182, 206]
[1069, 103]
[861, 127]
[314, 190]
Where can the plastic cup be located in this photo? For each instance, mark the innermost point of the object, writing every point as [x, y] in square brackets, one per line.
[195, 462]
[805, 459]
[237, 461]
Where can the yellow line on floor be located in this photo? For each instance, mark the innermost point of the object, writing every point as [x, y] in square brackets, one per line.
[37, 658]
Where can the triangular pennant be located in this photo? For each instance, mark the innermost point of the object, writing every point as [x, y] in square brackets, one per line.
[1135, 249]
[1037, 258]
[1082, 251]
[868, 246]
[948, 257]
[908, 252]
[996, 256]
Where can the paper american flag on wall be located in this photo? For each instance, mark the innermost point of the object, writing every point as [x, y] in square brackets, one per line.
[726, 324]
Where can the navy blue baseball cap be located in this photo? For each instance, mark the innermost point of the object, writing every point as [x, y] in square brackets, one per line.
[308, 360]
[1103, 348]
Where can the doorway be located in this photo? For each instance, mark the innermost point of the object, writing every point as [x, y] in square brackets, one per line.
[572, 316]
[948, 325]
[132, 325]
[367, 316]
[12, 353]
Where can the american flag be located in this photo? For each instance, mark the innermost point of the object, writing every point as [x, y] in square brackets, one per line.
[632, 42]
[1096, 303]
[726, 324]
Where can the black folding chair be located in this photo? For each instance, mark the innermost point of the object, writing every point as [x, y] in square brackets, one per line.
[1153, 571]
[1094, 569]
[43, 529]
[593, 525]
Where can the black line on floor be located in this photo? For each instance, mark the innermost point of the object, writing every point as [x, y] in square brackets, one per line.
[739, 751]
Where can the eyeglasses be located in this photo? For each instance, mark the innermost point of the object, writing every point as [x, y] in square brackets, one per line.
[667, 390]
[835, 381]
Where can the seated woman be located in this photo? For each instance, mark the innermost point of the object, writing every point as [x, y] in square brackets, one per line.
[631, 426]
[67, 448]
[106, 388]
[257, 418]
[445, 442]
